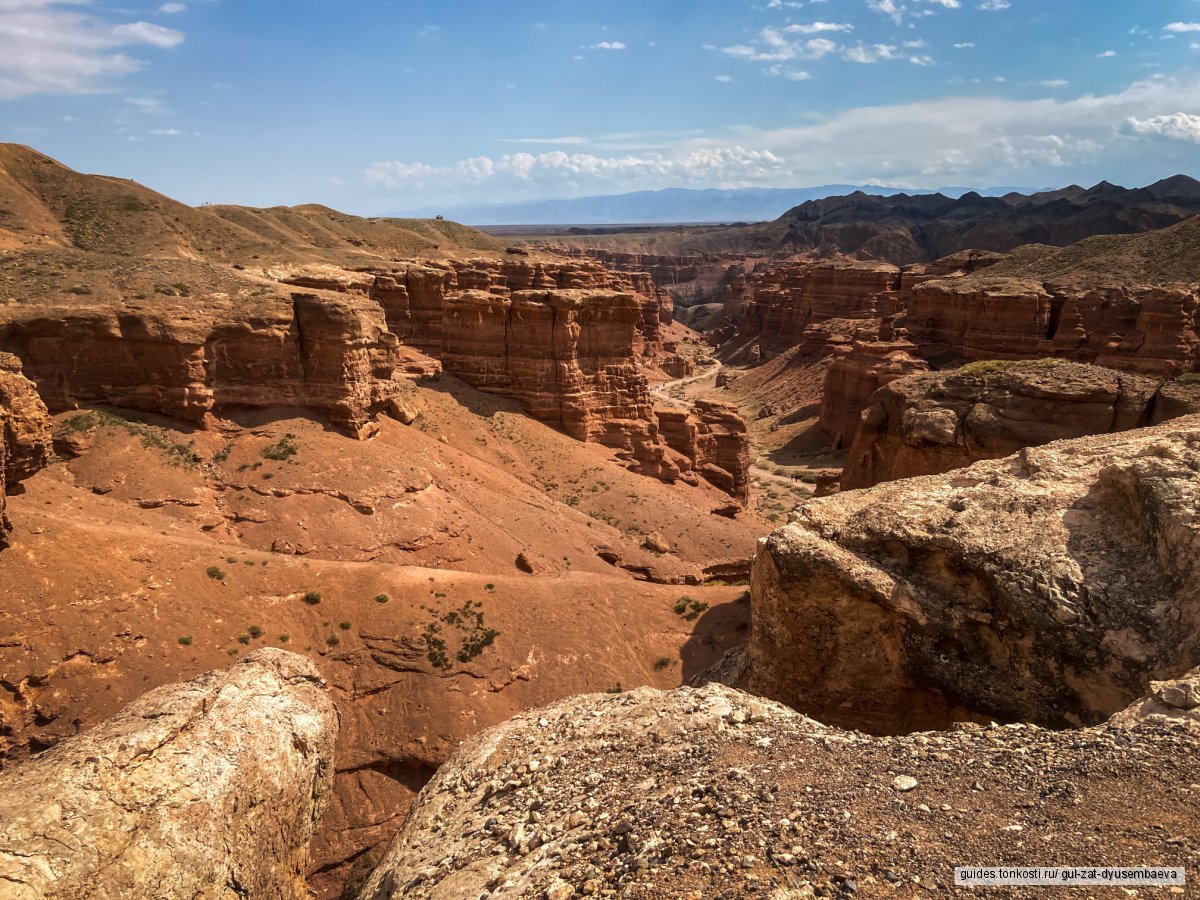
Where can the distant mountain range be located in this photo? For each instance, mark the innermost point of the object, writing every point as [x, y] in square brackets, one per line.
[671, 206]
[909, 228]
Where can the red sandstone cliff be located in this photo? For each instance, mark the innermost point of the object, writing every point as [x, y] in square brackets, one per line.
[856, 372]
[25, 443]
[932, 423]
[186, 358]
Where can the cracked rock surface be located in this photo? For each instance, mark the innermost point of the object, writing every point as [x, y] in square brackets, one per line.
[207, 789]
[713, 793]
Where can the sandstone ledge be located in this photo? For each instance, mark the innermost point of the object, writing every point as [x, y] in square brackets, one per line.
[1049, 587]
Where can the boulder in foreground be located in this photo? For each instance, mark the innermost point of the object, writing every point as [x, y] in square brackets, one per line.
[207, 789]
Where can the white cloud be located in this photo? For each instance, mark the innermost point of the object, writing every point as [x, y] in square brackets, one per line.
[724, 79]
[608, 45]
[1182, 27]
[778, 71]
[1177, 126]
[818, 27]
[772, 45]
[994, 5]
[869, 53]
[172, 8]
[1053, 83]
[966, 45]
[63, 47]
[147, 33]
[1107, 54]
[166, 132]
[978, 139]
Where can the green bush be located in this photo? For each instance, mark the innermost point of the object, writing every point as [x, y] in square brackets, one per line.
[215, 573]
[185, 640]
[382, 598]
[312, 598]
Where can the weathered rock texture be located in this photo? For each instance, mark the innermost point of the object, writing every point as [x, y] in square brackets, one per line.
[712, 792]
[856, 372]
[186, 358]
[714, 439]
[1047, 587]
[935, 422]
[25, 436]
[208, 789]
[789, 303]
[1152, 329]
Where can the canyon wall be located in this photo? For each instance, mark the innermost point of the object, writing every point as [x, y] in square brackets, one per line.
[1152, 330]
[1046, 587]
[786, 304]
[714, 439]
[25, 438]
[856, 372]
[207, 789]
[931, 423]
[186, 359]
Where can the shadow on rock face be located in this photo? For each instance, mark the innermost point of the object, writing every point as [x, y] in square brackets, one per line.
[718, 630]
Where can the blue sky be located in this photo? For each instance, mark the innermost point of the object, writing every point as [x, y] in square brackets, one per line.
[373, 107]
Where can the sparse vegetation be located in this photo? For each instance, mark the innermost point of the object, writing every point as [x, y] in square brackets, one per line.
[281, 450]
[284, 638]
[254, 631]
[344, 625]
[663, 662]
[998, 366]
[215, 573]
[690, 608]
[312, 598]
[474, 635]
[1190, 378]
[151, 436]
[333, 640]
[382, 598]
[243, 638]
[185, 640]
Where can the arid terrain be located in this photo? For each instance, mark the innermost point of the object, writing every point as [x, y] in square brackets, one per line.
[804, 559]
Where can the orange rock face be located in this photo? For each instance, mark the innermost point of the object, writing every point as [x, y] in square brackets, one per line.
[1154, 330]
[932, 423]
[714, 438]
[25, 444]
[857, 372]
[787, 303]
[186, 359]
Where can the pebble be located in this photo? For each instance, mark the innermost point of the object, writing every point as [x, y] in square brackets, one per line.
[904, 783]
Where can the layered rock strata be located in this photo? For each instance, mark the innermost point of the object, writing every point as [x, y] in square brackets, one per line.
[207, 789]
[710, 792]
[25, 432]
[1046, 587]
[856, 372]
[715, 440]
[934, 422]
[787, 303]
[186, 359]
[1152, 330]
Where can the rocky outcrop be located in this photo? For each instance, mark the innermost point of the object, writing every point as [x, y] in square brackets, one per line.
[856, 372]
[25, 438]
[208, 789]
[715, 440]
[935, 422]
[712, 792]
[1153, 330]
[187, 358]
[789, 302]
[1047, 587]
